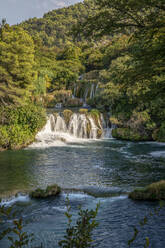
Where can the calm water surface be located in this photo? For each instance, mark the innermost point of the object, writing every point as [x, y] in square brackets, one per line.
[90, 172]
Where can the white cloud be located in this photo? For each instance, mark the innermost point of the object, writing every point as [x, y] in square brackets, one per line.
[16, 11]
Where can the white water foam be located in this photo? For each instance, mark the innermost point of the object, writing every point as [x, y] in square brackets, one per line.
[158, 154]
[12, 200]
[57, 133]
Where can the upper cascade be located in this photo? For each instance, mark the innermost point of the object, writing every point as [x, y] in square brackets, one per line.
[66, 126]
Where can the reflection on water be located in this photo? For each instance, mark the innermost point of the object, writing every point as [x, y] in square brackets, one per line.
[102, 163]
[100, 171]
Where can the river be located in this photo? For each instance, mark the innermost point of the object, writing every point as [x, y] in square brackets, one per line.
[89, 172]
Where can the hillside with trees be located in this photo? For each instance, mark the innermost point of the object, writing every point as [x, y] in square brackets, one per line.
[109, 55]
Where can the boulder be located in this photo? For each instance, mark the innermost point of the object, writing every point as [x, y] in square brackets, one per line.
[51, 190]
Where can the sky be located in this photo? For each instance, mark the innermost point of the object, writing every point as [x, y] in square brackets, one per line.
[16, 11]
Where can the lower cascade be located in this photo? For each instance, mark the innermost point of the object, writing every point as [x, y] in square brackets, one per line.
[68, 127]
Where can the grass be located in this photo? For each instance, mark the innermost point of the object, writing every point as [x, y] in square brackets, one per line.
[152, 192]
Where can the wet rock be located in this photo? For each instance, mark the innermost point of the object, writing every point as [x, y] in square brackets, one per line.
[51, 190]
[153, 192]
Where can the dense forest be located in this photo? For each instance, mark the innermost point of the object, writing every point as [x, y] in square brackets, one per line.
[110, 54]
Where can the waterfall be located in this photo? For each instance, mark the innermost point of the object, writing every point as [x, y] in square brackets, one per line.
[59, 125]
[92, 91]
[80, 126]
[94, 128]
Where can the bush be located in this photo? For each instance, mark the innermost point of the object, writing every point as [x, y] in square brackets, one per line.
[129, 134]
[159, 134]
[18, 126]
[80, 235]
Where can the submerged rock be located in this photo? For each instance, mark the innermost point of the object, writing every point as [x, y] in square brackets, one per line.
[153, 192]
[51, 190]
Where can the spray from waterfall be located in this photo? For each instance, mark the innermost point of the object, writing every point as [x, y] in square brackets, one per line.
[79, 127]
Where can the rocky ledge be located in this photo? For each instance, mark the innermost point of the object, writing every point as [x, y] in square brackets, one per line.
[152, 192]
[51, 190]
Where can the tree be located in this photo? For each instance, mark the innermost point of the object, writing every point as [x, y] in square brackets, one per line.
[17, 74]
[135, 85]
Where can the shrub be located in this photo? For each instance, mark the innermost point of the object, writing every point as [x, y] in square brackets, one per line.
[159, 134]
[18, 126]
[22, 238]
[80, 235]
[129, 134]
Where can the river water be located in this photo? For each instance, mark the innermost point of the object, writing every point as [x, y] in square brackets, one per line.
[89, 172]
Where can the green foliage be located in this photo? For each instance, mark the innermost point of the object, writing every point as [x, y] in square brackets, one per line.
[83, 111]
[67, 115]
[54, 28]
[153, 192]
[129, 134]
[17, 74]
[51, 190]
[20, 238]
[134, 79]
[19, 126]
[80, 235]
[159, 134]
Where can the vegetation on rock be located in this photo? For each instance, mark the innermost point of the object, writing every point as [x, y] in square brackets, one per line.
[51, 190]
[67, 115]
[153, 192]
[129, 134]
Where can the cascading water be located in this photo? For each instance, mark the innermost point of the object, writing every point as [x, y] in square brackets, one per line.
[80, 126]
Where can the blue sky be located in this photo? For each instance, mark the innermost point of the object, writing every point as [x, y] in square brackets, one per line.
[16, 11]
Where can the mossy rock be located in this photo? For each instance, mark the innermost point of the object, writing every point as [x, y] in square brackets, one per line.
[83, 111]
[153, 192]
[67, 115]
[129, 134]
[88, 128]
[95, 113]
[51, 190]
[99, 133]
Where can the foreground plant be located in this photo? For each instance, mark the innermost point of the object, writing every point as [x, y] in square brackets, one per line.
[142, 223]
[80, 235]
[21, 238]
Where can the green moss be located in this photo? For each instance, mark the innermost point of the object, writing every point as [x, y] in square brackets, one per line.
[95, 113]
[88, 128]
[67, 115]
[129, 134]
[83, 111]
[99, 133]
[153, 192]
[159, 134]
[51, 190]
